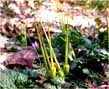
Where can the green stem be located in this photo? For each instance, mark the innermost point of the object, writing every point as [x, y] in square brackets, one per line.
[25, 39]
[46, 54]
[52, 51]
[107, 27]
[43, 52]
[23, 31]
[58, 65]
[51, 54]
[66, 46]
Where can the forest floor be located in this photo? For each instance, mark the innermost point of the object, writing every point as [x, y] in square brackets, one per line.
[47, 12]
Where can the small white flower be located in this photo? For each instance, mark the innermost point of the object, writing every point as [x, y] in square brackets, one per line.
[2, 67]
[103, 51]
[102, 29]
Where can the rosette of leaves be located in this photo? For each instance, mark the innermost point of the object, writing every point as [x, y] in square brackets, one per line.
[90, 54]
[18, 79]
[11, 79]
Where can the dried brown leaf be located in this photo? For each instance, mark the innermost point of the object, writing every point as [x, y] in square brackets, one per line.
[25, 57]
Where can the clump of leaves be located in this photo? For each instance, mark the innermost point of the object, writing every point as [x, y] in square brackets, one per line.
[97, 4]
[94, 4]
[89, 54]
[12, 79]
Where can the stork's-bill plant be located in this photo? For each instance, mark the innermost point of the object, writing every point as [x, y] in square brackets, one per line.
[52, 55]
[46, 60]
[66, 66]
[52, 66]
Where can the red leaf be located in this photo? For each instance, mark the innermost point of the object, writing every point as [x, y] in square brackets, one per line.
[25, 57]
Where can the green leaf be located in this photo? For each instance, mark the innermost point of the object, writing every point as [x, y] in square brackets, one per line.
[86, 71]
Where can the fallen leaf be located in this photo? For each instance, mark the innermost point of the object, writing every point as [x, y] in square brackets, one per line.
[25, 57]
